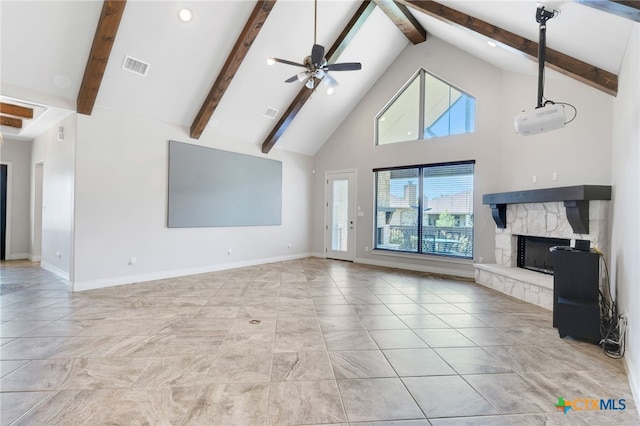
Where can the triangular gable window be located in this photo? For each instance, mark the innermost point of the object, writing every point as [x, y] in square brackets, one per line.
[426, 107]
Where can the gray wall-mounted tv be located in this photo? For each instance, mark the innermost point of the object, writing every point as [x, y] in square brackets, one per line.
[211, 187]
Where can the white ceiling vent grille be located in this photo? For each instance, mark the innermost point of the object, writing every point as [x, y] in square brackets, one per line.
[135, 66]
[270, 113]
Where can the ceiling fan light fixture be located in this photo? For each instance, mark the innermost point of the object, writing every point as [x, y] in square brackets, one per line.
[302, 76]
[310, 83]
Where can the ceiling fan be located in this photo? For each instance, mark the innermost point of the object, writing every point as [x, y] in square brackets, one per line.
[317, 68]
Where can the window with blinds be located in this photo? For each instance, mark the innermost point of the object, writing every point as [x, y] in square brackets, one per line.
[425, 209]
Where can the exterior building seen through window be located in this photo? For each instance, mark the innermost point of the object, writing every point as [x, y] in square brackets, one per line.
[425, 209]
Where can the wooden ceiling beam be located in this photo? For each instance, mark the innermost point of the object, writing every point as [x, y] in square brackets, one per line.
[404, 20]
[341, 43]
[234, 60]
[629, 9]
[574, 68]
[17, 110]
[106, 30]
[11, 121]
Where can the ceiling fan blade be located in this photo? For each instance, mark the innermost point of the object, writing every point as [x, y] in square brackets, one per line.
[330, 81]
[284, 61]
[345, 66]
[317, 54]
[292, 79]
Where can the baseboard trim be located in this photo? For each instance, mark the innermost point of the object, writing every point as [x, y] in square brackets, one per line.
[634, 382]
[420, 268]
[55, 270]
[130, 279]
[17, 256]
[34, 258]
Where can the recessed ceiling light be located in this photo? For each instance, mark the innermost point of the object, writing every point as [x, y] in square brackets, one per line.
[271, 61]
[330, 91]
[383, 118]
[491, 43]
[185, 15]
[409, 133]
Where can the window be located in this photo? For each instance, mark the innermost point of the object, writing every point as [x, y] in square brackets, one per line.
[425, 209]
[426, 107]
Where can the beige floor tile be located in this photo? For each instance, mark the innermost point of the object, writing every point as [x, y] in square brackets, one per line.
[297, 403]
[328, 324]
[443, 338]
[447, 396]
[472, 361]
[361, 364]
[29, 347]
[230, 404]
[299, 342]
[417, 362]
[377, 399]
[301, 366]
[382, 322]
[423, 321]
[15, 404]
[349, 341]
[7, 367]
[41, 375]
[393, 339]
[181, 351]
[177, 372]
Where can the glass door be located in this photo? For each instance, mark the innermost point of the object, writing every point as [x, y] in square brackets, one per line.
[340, 223]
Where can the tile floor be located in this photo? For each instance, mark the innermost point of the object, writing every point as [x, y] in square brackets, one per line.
[337, 343]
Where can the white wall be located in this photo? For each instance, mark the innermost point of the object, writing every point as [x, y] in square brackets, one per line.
[625, 232]
[580, 153]
[58, 158]
[121, 207]
[18, 154]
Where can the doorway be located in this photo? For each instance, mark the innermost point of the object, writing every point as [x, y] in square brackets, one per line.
[339, 215]
[4, 175]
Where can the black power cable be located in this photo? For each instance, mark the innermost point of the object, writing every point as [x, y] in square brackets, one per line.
[613, 325]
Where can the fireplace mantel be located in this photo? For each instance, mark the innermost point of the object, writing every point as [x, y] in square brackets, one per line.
[576, 202]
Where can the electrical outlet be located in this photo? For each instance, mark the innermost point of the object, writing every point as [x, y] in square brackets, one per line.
[133, 261]
[366, 248]
[554, 176]
[229, 251]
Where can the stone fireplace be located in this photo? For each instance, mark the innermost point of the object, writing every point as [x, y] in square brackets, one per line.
[565, 214]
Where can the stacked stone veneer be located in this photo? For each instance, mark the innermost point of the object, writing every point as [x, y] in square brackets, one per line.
[538, 220]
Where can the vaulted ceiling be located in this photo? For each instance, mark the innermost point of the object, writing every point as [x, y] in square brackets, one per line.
[210, 75]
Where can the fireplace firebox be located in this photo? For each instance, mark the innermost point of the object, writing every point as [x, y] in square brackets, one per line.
[533, 252]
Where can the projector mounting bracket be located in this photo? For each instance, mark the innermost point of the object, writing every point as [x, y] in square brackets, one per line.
[542, 16]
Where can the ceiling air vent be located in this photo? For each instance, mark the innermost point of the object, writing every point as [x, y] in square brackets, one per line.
[270, 113]
[135, 66]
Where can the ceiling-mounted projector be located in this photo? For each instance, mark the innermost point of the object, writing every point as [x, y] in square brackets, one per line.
[543, 119]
